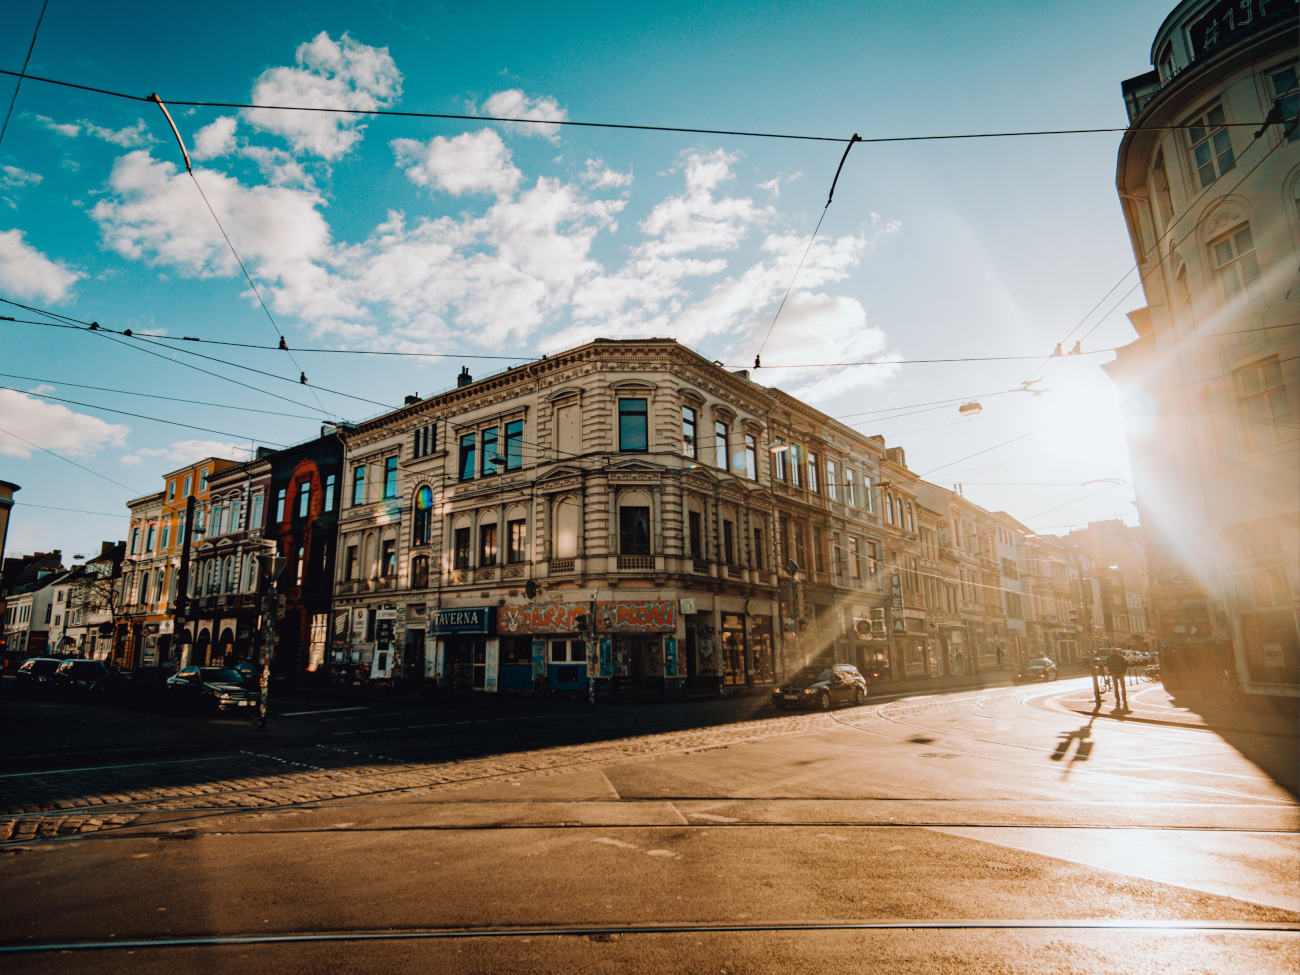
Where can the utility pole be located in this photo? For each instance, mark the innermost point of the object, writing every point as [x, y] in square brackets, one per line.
[269, 565]
[180, 608]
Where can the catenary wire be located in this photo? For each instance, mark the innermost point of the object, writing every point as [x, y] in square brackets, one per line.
[67, 460]
[18, 82]
[575, 123]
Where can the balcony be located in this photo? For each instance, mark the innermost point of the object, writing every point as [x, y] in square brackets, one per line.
[561, 567]
[636, 563]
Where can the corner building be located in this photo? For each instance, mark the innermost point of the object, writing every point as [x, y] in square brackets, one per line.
[1209, 178]
[626, 511]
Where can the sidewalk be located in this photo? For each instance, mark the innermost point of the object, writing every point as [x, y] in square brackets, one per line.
[1154, 703]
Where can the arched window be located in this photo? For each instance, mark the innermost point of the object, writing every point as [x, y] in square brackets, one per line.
[423, 519]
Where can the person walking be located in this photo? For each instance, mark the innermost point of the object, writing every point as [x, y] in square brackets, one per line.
[1118, 666]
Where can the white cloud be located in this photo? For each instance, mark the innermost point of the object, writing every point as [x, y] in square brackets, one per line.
[474, 162]
[330, 74]
[27, 273]
[54, 427]
[697, 219]
[513, 103]
[215, 139]
[158, 215]
[184, 451]
[131, 137]
[601, 176]
[11, 177]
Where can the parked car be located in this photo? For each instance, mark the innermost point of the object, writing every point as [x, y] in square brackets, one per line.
[36, 675]
[214, 688]
[822, 687]
[84, 676]
[1040, 668]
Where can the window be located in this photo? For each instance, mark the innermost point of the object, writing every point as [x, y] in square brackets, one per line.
[696, 536]
[689, 446]
[796, 465]
[850, 487]
[300, 568]
[460, 549]
[720, 451]
[813, 484]
[423, 517]
[233, 519]
[1235, 267]
[390, 477]
[1211, 148]
[633, 434]
[171, 490]
[420, 572]
[760, 561]
[255, 513]
[487, 544]
[304, 498]
[633, 530]
[490, 455]
[517, 541]
[1262, 397]
[832, 487]
[135, 540]
[1284, 84]
[728, 542]
[868, 500]
[166, 536]
[855, 558]
[216, 519]
[426, 440]
[358, 485]
[819, 554]
[568, 652]
[514, 445]
[779, 450]
[468, 446]
[279, 506]
[189, 483]
[350, 564]
[329, 491]
[203, 479]
[751, 457]
[148, 545]
[387, 558]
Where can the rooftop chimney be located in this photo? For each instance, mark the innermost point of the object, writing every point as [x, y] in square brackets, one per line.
[414, 398]
[464, 379]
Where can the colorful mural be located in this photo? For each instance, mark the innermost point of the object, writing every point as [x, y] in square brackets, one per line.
[632, 616]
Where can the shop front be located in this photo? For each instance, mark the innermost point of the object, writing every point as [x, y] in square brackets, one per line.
[628, 646]
[465, 649]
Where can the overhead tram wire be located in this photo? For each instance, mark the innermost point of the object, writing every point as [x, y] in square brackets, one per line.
[158, 396]
[118, 335]
[229, 243]
[4, 127]
[66, 460]
[1160, 260]
[138, 416]
[574, 123]
[808, 247]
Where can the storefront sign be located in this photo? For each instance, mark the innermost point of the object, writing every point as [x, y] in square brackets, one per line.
[631, 616]
[1230, 19]
[476, 619]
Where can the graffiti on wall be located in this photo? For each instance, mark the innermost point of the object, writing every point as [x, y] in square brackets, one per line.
[632, 616]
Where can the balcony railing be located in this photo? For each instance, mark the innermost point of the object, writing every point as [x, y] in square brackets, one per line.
[561, 567]
[638, 563]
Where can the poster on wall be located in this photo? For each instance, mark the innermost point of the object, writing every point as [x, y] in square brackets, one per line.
[492, 661]
[381, 665]
[670, 656]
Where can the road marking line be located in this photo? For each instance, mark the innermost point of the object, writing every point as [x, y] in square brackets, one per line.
[298, 714]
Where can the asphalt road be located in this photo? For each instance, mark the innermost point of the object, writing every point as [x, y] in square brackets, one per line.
[991, 830]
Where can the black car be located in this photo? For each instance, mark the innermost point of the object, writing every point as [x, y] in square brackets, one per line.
[210, 687]
[83, 676]
[1040, 668]
[822, 687]
[36, 675]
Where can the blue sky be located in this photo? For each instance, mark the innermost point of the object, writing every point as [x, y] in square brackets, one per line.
[480, 239]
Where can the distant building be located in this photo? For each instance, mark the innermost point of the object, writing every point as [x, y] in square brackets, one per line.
[1209, 179]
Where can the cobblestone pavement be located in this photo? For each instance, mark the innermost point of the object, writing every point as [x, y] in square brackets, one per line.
[58, 803]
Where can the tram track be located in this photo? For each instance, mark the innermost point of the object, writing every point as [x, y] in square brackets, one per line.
[604, 932]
